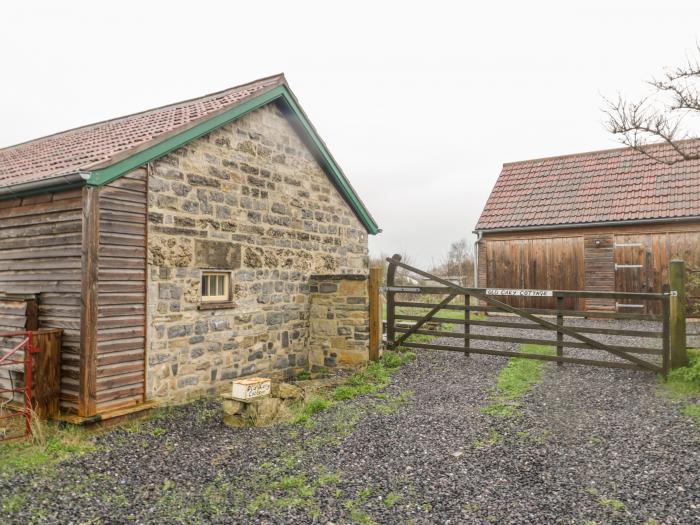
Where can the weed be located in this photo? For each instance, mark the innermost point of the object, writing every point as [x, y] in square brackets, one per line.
[685, 380]
[374, 377]
[11, 504]
[614, 504]
[168, 484]
[391, 499]
[328, 478]
[311, 407]
[303, 376]
[157, 431]
[693, 411]
[394, 403]
[494, 437]
[55, 444]
[518, 377]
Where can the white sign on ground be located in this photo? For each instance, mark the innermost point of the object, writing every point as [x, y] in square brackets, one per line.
[518, 292]
[250, 388]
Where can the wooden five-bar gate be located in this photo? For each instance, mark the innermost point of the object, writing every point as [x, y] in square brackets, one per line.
[666, 336]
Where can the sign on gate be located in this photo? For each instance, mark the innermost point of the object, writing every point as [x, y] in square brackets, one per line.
[518, 292]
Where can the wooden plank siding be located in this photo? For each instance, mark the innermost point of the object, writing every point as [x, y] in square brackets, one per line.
[40, 254]
[554, 262]
[599, 268]
[585, 258]
[121, 294]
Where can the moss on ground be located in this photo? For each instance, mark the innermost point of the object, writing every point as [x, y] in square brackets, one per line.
[515, 380]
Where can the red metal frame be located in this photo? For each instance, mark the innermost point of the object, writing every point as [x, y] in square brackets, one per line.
[5, 360]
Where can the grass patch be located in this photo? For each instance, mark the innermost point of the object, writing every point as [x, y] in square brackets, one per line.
[518, 377]
[494, 437]
[693, 411]
[302, 376]
[611, 503]
[50, 444]
[391, 499]
[392, 404]
[684, 382]
[374, 377]
[310, 408]
[11, 504]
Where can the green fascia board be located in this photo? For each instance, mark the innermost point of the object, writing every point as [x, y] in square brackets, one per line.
[107, 174]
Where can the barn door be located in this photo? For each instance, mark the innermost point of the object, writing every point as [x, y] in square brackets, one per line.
[632, 267]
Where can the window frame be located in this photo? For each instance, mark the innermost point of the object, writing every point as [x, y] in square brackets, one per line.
[219, 298]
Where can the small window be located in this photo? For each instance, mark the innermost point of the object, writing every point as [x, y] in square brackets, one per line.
[215, 286]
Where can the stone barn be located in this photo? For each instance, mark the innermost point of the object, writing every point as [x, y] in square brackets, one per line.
[600, 221]
[185, 246]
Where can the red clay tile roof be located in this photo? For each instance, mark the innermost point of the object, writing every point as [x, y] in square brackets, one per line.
[98, 144]
[600, 186]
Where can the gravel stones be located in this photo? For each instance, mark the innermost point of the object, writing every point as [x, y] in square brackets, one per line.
[590, 445]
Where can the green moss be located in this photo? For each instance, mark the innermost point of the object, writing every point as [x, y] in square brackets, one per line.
[518, 377]
[302, 376]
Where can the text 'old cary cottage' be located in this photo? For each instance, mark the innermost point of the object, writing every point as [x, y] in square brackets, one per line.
[179, 247]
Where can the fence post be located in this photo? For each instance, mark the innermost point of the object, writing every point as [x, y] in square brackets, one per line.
[560, 323]
[467, 318]
[390, 307]
[375, 314]
[676, 276]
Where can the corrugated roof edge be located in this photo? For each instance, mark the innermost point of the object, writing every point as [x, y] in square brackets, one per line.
[103, 173]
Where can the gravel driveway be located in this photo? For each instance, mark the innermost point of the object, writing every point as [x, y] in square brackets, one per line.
[590, 446]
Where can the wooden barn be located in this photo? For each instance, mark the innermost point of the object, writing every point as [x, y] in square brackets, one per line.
[175, 247]
[600, 221]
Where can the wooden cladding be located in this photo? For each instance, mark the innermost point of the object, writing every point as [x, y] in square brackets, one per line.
[121, 294]
[82, 253]
[625, 259]
[599, 270]
[40, 254]
[549, 263]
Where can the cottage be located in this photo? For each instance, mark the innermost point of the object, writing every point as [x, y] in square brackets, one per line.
[181, 247]
[599, 221]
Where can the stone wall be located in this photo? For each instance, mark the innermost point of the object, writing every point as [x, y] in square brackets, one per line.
[339, 319]
[249, 199]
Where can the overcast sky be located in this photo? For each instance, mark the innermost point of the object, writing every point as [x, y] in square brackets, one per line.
[421, 103]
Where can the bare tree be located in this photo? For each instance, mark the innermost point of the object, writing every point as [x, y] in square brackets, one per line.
[458, 262]
[668, 115]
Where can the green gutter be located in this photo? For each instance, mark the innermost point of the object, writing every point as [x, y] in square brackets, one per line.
[281, 94]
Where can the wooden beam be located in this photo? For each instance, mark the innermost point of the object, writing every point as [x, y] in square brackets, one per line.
[375, 313]
[88, 315]
[679, 353]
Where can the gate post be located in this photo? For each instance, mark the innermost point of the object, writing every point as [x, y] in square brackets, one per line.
[375, 314]
[676, 276]
[390, 307]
